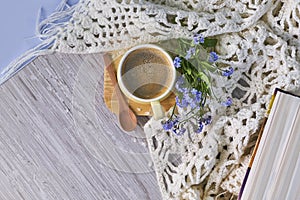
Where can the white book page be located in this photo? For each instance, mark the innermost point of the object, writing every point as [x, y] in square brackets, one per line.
[266, 165]
[285, 164]
[294, 186]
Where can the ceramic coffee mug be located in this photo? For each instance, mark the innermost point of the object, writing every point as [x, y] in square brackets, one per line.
[146, 75]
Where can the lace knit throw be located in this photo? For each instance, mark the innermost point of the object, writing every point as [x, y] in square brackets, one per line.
[259, 39]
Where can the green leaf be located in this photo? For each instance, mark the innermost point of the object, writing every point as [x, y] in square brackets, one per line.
[210, 42]
[188, 71]
[205, 78]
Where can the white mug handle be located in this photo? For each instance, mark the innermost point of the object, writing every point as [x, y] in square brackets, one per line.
[157, 109]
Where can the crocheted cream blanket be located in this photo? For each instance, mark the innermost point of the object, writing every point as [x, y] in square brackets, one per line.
[259, 39]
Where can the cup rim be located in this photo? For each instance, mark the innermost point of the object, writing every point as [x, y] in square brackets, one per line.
[125, 90]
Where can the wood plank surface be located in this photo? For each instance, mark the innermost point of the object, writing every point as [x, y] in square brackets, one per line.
[58, 140]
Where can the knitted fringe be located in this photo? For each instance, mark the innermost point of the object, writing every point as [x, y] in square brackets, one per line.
[46, 31]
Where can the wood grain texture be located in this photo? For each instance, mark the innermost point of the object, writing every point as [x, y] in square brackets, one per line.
[59, 141]
[138, 108]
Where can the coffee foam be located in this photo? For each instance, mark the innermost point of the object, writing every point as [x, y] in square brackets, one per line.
[147, 73]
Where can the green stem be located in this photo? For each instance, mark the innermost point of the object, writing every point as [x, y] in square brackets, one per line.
[173, 111]
[189, 112]
[213, 93]
[185, 42]
[192, 116]
[208, 66]
[186, 119]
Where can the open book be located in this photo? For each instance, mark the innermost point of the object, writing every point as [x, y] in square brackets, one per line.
[275, 171]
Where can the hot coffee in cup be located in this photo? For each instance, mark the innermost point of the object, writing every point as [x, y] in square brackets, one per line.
[146, 75]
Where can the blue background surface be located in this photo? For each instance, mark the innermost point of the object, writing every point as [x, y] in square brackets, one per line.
[18, 22]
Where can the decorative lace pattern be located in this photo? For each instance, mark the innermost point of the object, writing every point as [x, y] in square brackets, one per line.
[211, 162]
[100, 25]
[284, 18]
[259, 39]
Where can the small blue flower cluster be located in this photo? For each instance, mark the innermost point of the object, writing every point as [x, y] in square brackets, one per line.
[203, 122]
[168, 125]
[228, 102]
[198, 38]
[173, 125]
[191, 97]
[228, 72]
[190, 53]
[187, 96]
[193, 86]
[177, 62]
[213, 57]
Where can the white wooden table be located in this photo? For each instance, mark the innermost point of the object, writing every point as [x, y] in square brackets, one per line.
[59, 141]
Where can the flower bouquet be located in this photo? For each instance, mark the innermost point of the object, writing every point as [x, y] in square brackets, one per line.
[195, 61]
